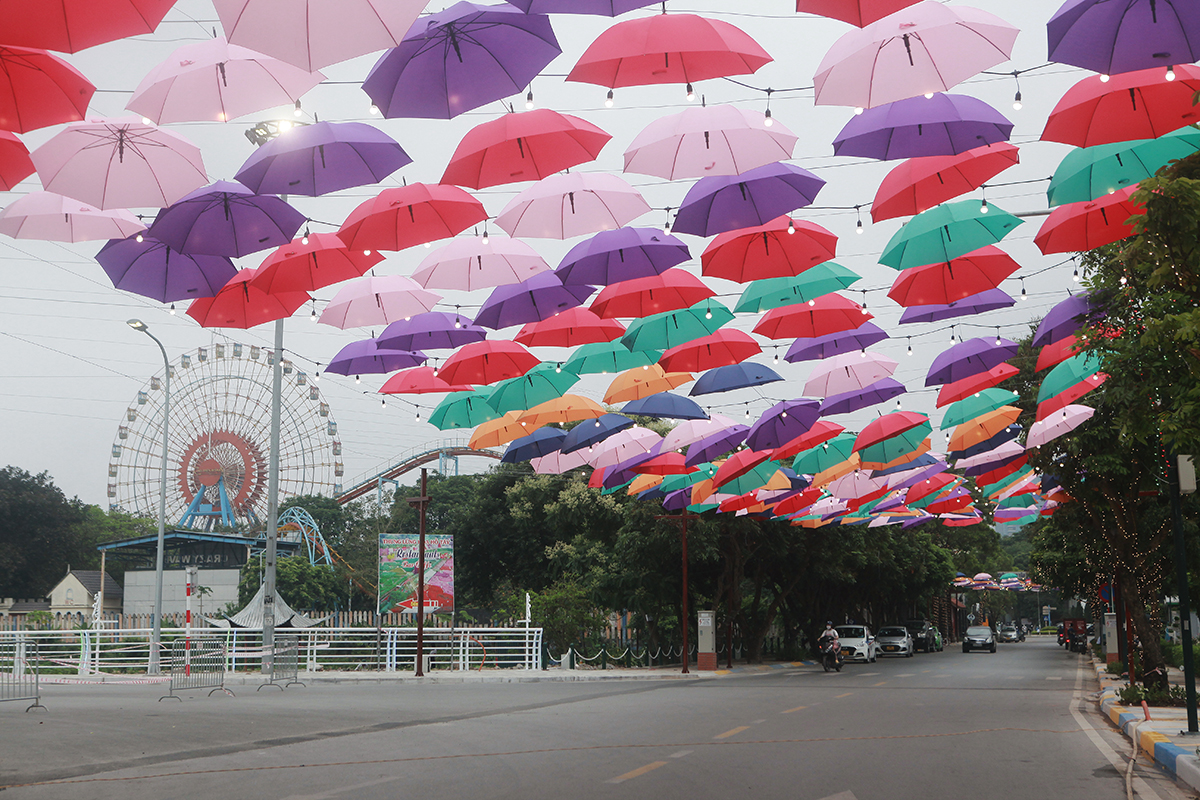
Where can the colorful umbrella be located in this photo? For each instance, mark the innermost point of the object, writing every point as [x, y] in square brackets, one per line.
[734, 376]
[496, 432]
[771, 293]
[1069, 395]
[477, 262]
[824, 456]
[824, 315]
[848, 372]
[671, 328]
[563, 410]
[15, 164]
[665, 405]
[811, 348]
[432, 330]
[1087, 225]
[1060, 423]
[959, 278]
[941, 125]
[744, 462]
[639, 382]
[312, 262]
[1069, 374]
[404, 217]
[976, 405]
[1131, 105]
[52, 217]
[780, 249]
[982, 427]
[1087, 173]
[719, 349]
[922, 183]
[620, 255]
[624, 445]
[718, 204]
[821, 432]
[226, 219]
[38, 89]
[1008, 450]
[612, 357]
[946, 232]
[120, 163]
[670, 290]
[239, 304]
[716, 444]
[927, 47]
[70, 27]
[1056, 352]
[889, 426]
[570, 328]
[366, 357]
[377, 301]
[587, 434]
[463, 410]
[857, 12]
[459, 59]
[969, 358]
[904, 446]
[604, 8]
[543, 382]
[782, 422]
[971, 384]
[1067, 317]
[487, 362]
[1110, 37]
[570, 205]
[523, 147]
[419, 380]
[873, 394]
[980, 303]
[664, 464]
[691, 431]
[152, 269]
[709, 140]
[531, 300]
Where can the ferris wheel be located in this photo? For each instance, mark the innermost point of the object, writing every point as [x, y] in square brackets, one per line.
[219, 441]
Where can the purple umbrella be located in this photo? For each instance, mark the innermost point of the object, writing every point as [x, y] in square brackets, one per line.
[226, 219]
[621, 255]
[324, 157]
[832, 344]
[531, 300]
[433, 330]
[603, 8]
[366, 357]
[152, 269]
[460, 59]
[678, 500]
[969, 358]
[722, 203]
[716, 444]
[909, 523]
[783, 422]
[943, 125]
[923, 460]
[878, 392]
[918, 475]
[1113, 36]
[990, 300]
[1064, 319]
[622, 472]
[1001, 461]
[665, 405]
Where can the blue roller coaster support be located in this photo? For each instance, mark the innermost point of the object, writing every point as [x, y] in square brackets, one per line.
[318, 551]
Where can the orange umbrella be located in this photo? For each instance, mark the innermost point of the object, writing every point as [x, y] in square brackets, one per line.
[837, 470]
[643, 482]
[639, 382]
[904, 459]
[983, 427]
[496, 432]
[568, 408]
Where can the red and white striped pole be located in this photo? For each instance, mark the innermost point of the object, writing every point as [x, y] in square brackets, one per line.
[187, 645]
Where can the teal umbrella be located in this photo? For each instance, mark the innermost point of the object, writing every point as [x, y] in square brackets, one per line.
[463, 410]
[544, 382]
[671, 328]
[897, 446]
[945, 232]
[1075, 369]
[673, 483]
[608, 357]
[751, 480]
[977, 405]
[824, 456]
[814, 282]
[1087, 173]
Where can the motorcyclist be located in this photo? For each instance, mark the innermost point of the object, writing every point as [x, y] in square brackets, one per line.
[830, 632]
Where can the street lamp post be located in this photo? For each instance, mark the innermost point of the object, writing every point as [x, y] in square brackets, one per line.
[156, 637]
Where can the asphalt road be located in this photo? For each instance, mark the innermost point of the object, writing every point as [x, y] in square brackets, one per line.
[1020, 722]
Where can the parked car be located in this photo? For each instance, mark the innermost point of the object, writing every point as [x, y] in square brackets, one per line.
[857, 643]
[895, 640]
[1009, 633]
[979, 637]
[922, 633]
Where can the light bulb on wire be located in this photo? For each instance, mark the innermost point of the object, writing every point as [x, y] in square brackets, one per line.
[374, 110]
[529, 99]
[1171, 73]
[608, 101]
[297, 111]
[691, 94]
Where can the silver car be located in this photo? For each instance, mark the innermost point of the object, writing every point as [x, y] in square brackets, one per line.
[979, 637]
[895, 640]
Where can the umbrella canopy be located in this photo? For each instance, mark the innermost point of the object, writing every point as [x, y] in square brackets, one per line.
[377, 301]
[734, 376]
[463, 410]
[1069, 395]
[709, 140]
[856, 12]
[672, 328]
[716, 444]
[942, 125]
[771, 293]
[1070, 373]
[1126, 36]
[880, 391]
[742, 463]
[604, 8]
[718, 204]
[831, 344]
[570, 328]
[821, 432]
[825, 315]
[71, 27]
[980, 303]
[479, 262]
[226, 219]
[240, 304]
[562, 410]
[953, 280]
[1087, 225]
[664, 464]
[624, 445]
[459, 59]
[1088, 173]
[971, 384]
[848, 372]
[1067, 317]
[316, 33]
[899, 449]
[691, 431]
[983, 427]
[1056, 352]
[620, 255]
[1131, 105]
[523, 147]
[152, 269]
[671, 290]
[611, 357]
[889, 426]
[15, 163]
[217, 81]
[667, 48]
[639, 382]
[719, 349]
[312, 262]
[782, 422]
[1059, 424]
[496, 432]
[592, 433]
[665, 405]
[922, 183]
[782, 248]
[38, 89]
[366, 357]
[570, 205]
[52, 217]
[927, 47]
[120, 163]
[1006, 451]
[543, 382]
[531, 300]
[946, 232]
[824, 456]
[976, 405]
[403, 217]
[419, 380]
[432, 330]
[969, 358]
[324, 157]
[487, 362]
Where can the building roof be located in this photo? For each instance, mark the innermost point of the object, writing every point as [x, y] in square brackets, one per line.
[25, 606]
[90, 578]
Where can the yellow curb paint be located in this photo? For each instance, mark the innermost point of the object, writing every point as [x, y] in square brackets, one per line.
[881, 683]
[732, 732]
[790, 710]
[840, 696]
[637, 773]
[723, 672]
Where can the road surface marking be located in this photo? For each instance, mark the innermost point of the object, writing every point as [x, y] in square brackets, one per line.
[332, 793]
[924, 671]
[870, 674]
[790, 710]
[1140, 787]
[733, 732]
[681, 754]
[840, 696]
[758, 722]
[906, 674]
[841, 796]
[1054, 678]
[637, 773]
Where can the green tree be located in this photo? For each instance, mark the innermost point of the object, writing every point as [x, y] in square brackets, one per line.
[304, 586]
[39, 534]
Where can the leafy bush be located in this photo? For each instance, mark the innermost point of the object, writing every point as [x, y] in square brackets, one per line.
[1134, 694]
[1116, 667]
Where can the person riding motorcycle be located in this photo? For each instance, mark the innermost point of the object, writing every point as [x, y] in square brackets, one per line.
[830, 632]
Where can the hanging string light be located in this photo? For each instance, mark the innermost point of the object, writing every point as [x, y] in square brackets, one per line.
[608, 101]
[1024, 296]
[667, 224]
[768, 121]
[910, 345]
[691, 94]
[313, 315]
[1017, 96]
[529, 98]
[1171, 73]
[983, 206]
[859, 228]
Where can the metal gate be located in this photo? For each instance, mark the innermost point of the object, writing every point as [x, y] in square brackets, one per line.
[197, 663]
[19, 672]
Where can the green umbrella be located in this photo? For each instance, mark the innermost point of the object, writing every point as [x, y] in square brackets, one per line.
[899, 445]
[463, 410]
[544, 382]
[752, 480]
[1087, 173]
[673, 483]
[824, 456]
[977, 405]
[614, 489]
[1007, 481]
[945, 232]
[1074, 370]
[771, 293]
[608, 357]
[670, 328]
[700, 508]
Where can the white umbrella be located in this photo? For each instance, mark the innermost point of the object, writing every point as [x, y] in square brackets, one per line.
[575, 204]
[1057, 424]
[378, 301]
[621, 446]
[848, 372]
[693, 430]
[52, 217]
[479, 263]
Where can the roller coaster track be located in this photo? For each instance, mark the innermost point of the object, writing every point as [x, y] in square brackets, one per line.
[421, 454]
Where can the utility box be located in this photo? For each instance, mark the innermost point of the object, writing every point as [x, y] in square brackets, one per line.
[1110, 639]
[706, 640]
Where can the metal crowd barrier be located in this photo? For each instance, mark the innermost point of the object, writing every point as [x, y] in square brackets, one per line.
[285, 666]
[197, 663]
[20, 672]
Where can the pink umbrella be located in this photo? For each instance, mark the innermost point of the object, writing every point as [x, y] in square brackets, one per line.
[925, 48]
[575, 204]
[378, 301]
[622, 446]
[316, 33]
[120, 163]
[52, 217]
[1057, 424]
[848, 372]
[556, 463]
[693, 430]
[479, 262]
[709, 140]
[1009, 449]
[215, 80]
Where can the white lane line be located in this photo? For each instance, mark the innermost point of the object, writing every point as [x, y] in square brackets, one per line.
[333, 793]
[681, 754]
[1119, 763]
[906, 675]
[1054, 678]
[869, 674]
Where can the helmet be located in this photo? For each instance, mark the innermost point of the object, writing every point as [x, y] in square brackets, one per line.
[828, 624]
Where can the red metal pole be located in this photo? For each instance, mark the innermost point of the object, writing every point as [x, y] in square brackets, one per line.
[424, 500]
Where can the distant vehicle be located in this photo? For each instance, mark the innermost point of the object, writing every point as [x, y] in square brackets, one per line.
[895, 640]
[1009, 633]
[922, 633]
[1076, 625]
[938, 643]
[979, 637]
[857, 643]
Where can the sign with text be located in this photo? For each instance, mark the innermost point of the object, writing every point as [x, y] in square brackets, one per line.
[398, 556]
[206, 555]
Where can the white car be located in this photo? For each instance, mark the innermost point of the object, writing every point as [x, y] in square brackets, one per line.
[895, 640]
[857, 643]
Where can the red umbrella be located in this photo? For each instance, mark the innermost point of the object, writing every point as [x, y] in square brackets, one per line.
[768, 251]
[953, 392]
[831, 313]
[569, 328]
[670, 290]
[937, 284]
[523, 147]
[738, 465]
[312, 262]
[726, 346]
[1004, 471]
[821, 431]
[487, 362]
[1069, 395]
[404, 217]
[1083, 226]
[950, 505]
[856, 12]
[667, 48]
[15, 164]
[1057, 352]
[739, 503]
[69, 26]
[419, 380]
[241, 304]
[921, 183]
[798, 502]
[1132, 105]
[931, 485]
[38, 89]
[887, 426]
[666, 464]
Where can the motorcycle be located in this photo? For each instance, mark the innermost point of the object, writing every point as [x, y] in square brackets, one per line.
[831, 655]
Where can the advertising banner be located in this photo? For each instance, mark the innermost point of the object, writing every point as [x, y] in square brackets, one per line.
[398, 573]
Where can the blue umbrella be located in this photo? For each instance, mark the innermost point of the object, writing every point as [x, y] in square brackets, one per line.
[990, 300]
[832, 344]
[923, 460]
[537, 444]
[594, 431]
[722, 203]
[665, 405]
[878, 392]
[734, 376]
[621, 255]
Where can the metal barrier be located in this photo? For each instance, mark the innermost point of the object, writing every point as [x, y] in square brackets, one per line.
[285, 666]
[197, 662]
[20, 672]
